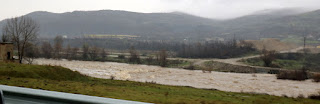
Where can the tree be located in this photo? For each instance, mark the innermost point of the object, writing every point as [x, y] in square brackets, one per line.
[4, 37]
[68, 52]
[134, 56]
[31, 53]
[74, 53]
[21, 30]
[163, 58]
[58, 42]
[46, 50]
[150, 60]
[267, 57]
[85, 50]
[93, 52]
[103, 54]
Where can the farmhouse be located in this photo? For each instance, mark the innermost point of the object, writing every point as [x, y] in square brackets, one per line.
[6, 51]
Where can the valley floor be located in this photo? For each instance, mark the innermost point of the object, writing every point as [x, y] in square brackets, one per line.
[234, 82]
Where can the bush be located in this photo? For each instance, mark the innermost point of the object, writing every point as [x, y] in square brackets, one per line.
[316, 77]
[267, 57]
[121, 56]
[315, 96]
[293, 75]
[190, 67]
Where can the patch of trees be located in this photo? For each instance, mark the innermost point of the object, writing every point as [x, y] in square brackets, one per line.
[22, 32]
[186, 49]
[267, 57]
[216, 49]
[125, 44]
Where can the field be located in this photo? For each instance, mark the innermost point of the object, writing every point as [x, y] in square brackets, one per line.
[299, 40]
[292, 61]
[61, 79]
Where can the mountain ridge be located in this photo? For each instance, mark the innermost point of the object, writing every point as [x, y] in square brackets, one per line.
[174, 24]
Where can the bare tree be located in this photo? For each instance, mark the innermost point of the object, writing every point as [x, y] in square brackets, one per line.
[267, 57]
[20, 31]
[31, 53]
[4, 37]
[85, 51]
[68, 52]
[150, 60]
[93, 52]
[74, 53]
[58, 42]
[163, 58]
[134, 56]
[103, 54]
[46, 50]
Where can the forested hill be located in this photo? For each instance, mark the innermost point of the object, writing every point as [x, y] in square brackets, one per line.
[120, 22]
[270, 23]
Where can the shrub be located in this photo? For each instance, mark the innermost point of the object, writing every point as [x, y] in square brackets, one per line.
[121, 56]
[267, 57]
[190, 67]
[112, 77]
[293, 75]
[315, 96]
[316, 77]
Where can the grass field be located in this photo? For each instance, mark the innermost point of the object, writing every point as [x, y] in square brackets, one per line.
[292, 61]
[64, 80]
[287, 64]
[299, 40]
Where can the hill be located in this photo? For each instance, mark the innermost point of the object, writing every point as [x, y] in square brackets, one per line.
[119, 22]
[281, 23]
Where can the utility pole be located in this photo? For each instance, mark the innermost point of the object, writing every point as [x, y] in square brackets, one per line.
[259, 36]
[234, 40]
[304, 44]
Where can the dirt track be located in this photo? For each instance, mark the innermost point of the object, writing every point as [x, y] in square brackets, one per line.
[234, 61]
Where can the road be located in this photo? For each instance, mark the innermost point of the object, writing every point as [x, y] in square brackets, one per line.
[233, 61]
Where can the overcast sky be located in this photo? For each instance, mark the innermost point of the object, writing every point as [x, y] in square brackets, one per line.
[218, 9]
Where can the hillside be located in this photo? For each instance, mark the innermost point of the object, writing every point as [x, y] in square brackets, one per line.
[119, 22]
[276, 25]
[263, 24]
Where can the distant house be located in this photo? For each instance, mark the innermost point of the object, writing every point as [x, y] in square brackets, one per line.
[6, 51]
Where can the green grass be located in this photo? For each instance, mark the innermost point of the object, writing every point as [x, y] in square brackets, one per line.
[287, 64]
[292, 61]
[253, 62]
[63, 80]
[299, 40]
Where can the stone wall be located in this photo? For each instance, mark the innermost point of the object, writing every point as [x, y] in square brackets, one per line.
[5, 49]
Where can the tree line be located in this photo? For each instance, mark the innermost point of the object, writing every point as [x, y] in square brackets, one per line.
[216, 49]
[186, 49]
[23, 32]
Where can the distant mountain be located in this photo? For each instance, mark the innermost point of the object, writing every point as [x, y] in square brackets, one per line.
[176, 25]
[275, 23]
[120, 22]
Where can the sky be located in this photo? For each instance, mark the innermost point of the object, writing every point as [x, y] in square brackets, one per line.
[216, 9]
